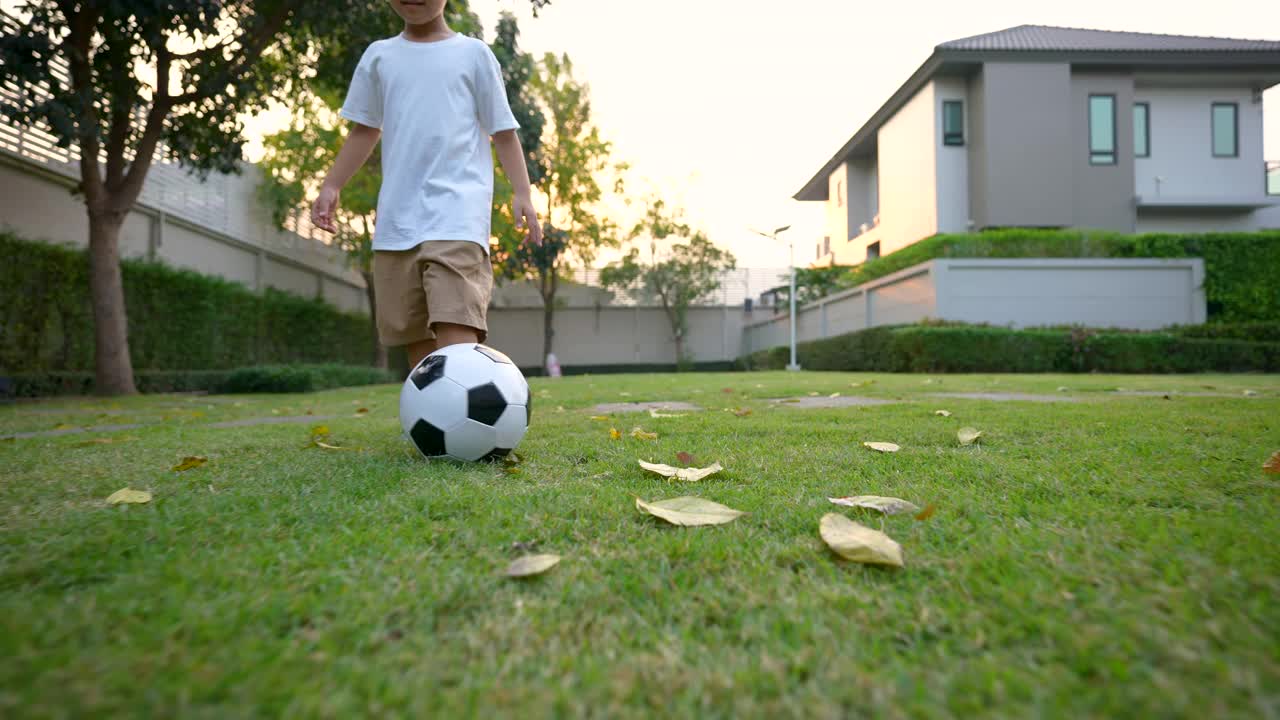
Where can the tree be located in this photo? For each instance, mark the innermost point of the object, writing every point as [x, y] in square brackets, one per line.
[298, 157]
[677, 276]
[814, 284]
[143, 79]
[575, 158]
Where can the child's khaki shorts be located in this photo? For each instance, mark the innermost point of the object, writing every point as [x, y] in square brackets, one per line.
[439, 281]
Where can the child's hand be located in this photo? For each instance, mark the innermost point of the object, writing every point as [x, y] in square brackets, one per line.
[527, 218]
[324, 208]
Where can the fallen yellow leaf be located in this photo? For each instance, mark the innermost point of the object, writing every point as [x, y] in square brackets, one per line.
[689, 511]
[968, 435]
[614, 434]
[928, 512]
[942, 413]
[600, 418]
[530, 565]
[884, 447]
[190, 463]
[128, 496]
[813, 394]
[859, 543]
[886, 505]
[834, 395]
[63, 426]
[655, 414]
[742, 412]
[1272, 465]
[685, 474]
[640, 434]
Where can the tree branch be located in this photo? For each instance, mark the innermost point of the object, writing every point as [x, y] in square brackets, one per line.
[80, 23]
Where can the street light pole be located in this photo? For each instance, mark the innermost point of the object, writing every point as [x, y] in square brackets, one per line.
[794, 365]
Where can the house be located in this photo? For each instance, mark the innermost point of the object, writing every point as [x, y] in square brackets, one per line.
[1054, 127]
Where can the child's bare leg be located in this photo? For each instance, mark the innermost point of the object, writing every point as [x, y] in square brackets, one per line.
[449, 334]
[419, 350]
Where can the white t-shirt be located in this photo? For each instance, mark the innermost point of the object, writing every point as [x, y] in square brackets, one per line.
[437, 103]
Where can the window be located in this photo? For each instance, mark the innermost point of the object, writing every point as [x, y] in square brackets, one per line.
[1102, 129]
[952, 122]
[826, 245]
[1226, 130]
[839, 193]
[1141, 130]
[873, 250]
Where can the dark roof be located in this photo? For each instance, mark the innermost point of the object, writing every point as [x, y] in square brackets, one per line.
[1056, 39]
[1043, 43]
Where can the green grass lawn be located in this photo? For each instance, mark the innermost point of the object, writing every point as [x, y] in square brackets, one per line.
[1113, 557]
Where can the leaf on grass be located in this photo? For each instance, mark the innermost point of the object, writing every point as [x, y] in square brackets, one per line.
[689, 511]
[655, 414]
[559, 408]
[96, 441]
[190, 463]
[886, 505]
[813, 394]
[128, 496]
[690, 474]
[927, 512]
[1272, 465]
[884, 447]
[834, 395]
[600, 418]
[727, 391]
[63, 426]
[530, 565]
[326, 446]
[640, 434]
[623, 394]
[968, 435]
[942, 413]
[361, 412]
[741, 412]
[614, 434]
[1251, 393]
[859, 543]
[1064, 388]
[685, 458]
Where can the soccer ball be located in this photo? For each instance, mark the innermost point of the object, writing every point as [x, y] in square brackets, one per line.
[465, 402]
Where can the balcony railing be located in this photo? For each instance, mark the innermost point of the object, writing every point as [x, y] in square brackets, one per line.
[1273, 177]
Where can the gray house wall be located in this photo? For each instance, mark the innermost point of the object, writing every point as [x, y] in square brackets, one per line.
[1017, 177]
[1102, 195]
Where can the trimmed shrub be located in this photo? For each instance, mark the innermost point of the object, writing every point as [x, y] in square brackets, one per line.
[271, 379]
[949, 348]
[1251, 331]
[178, 319]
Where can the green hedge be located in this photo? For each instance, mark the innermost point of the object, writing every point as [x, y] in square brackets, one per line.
[934, 348]
[1242, 270]
[1252, 331]
[178, 319]
[262, 379]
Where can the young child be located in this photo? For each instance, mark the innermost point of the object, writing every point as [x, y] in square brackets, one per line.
[434, 97]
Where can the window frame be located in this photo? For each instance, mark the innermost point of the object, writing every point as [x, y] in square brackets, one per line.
[1146, 130]
[953, 139]
[876, 246]
[1114, 152]
[1235, 128]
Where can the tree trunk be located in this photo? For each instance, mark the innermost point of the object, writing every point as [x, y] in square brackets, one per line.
[379, 350]
[113, 369]
[548, 314]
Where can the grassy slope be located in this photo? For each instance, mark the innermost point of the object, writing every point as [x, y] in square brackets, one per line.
[1111, 557]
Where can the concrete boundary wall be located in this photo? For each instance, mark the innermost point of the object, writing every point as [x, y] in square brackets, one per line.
[1138, 294]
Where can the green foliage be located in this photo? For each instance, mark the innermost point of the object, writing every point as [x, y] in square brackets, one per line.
[685, 271]
[1242, 270]
[969, 349]
[181, 320]
[815, 283]
[300, 378]
[1252, 331]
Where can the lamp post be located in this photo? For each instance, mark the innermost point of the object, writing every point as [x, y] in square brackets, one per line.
[792, 295]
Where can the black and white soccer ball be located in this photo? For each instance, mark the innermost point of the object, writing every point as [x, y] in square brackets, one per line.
[465, 402]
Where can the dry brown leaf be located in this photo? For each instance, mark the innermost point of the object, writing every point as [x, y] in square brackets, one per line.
[927, 512]
[640, 434]
[727, 391]
[886, 505]
[859, 543]
[64, 426]
[742, 412]
[685, 458]
[1272, 465]
[614, 434]
[942, 413]
[128, 496]
[968, 435]
[362, 411]
[689, 511]
[530, 565]
[190, 463]
[685, 474]
[884, 447]
[600, 418]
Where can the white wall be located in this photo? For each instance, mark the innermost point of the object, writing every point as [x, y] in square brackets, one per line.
[1182, 149]
[837, 212]
[953, 160]
[907, 164]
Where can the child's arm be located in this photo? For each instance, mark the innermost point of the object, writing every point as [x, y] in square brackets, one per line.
[355, 150]
[511, 155]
